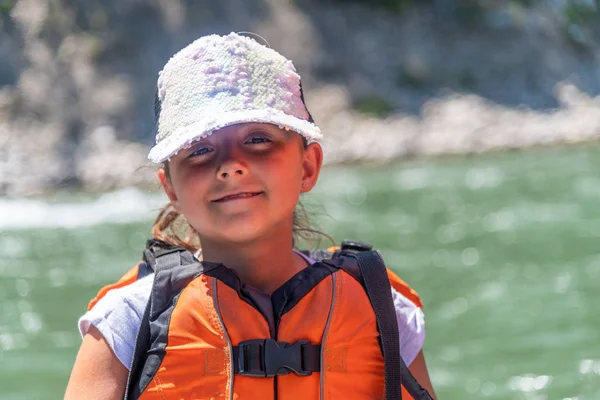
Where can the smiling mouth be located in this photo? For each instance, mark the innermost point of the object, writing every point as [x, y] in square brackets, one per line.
[238, 196]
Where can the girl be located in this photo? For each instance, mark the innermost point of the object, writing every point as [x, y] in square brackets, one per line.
[244, 316]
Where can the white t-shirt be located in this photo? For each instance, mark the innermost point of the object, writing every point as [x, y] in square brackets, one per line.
[119, 313]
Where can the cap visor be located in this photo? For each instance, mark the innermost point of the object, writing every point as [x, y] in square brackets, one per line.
[203, 127]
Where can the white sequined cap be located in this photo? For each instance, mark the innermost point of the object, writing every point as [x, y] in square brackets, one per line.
[218, 81]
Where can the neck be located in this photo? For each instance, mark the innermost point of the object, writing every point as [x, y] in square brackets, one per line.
[264, 264]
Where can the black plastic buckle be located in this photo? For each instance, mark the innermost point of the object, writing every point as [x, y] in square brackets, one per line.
[266, 358]
[356, 245]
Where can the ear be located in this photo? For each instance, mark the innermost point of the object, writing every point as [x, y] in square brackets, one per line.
[168, 188]
[311, 166]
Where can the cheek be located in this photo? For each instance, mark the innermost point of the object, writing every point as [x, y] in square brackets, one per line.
[190, 190]
[285, 183]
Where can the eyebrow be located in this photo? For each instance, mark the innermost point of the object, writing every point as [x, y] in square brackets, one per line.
[199, 142]
[267, 128]
[254, 128]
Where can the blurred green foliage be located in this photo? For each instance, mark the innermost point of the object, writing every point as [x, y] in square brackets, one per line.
[408, 78]
[470, 12]
[580, 12]
[395, 5]
[375, 106]
[391, 5]
[526, 3]
[467, 80]
[6, 6]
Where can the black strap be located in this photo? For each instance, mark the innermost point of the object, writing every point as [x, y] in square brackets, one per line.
[142, 342]
[374, 276]
[141, 346]
[378, 288]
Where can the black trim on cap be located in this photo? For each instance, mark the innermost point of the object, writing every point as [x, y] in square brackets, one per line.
[157, 110]
[310, 118]
[157, 106]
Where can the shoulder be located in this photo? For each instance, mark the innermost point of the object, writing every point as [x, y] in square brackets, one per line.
[130, 277]
[402, 288]
[410, 317]
[411, 324]
[133, 296]
[117, 315]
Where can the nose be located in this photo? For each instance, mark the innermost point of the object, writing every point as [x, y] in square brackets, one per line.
[232, 166]
[224, 174]
[232, 161]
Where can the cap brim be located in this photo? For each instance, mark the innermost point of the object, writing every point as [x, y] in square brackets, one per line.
[205, 126]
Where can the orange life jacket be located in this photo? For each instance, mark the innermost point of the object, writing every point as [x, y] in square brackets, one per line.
[204, 337]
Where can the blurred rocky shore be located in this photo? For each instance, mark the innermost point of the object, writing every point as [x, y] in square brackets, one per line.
[384, 80]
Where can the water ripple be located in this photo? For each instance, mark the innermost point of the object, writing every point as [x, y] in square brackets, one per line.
[122, 206]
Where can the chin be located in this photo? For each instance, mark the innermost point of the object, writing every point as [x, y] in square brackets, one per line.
[244, 228]
[241, 233]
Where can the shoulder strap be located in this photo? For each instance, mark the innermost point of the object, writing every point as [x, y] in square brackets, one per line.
[156, 248]
[132, 391]
[378, 288]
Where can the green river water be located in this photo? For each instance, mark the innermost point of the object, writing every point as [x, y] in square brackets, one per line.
[503, 249]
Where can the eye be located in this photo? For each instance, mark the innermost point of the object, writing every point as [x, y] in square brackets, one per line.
[200, 151]
[258, 140]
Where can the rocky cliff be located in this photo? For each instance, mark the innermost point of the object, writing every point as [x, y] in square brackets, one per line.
[77, 78]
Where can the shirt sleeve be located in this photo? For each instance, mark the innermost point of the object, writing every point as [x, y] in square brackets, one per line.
[118, 316]
[411, 326]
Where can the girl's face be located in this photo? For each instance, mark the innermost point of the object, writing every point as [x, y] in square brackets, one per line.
[242, 182]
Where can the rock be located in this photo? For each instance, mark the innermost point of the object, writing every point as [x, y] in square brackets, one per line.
[77, 84]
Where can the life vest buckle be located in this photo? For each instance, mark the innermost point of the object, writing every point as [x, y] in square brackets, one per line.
[355, 245]
[266, 358]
